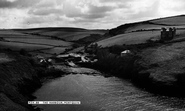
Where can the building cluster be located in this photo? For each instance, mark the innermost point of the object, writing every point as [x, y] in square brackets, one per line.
[168, 34]
[92, 48]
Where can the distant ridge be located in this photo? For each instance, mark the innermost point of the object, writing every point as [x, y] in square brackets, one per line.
[167, 17]
[178, 20]
[54, 28]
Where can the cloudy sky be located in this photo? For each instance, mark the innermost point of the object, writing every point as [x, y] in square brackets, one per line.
[84, 13]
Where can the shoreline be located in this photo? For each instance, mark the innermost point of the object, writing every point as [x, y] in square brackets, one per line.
[144, 81]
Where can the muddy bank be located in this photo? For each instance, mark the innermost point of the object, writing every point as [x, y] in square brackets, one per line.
[19, 78]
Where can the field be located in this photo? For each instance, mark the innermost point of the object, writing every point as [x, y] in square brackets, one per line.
[129, 38]
[68, 34]
[143, 27]
[134, 38]
[173, 21]
[176, 21]
[43, 40]
[18, 40]
[140, 32]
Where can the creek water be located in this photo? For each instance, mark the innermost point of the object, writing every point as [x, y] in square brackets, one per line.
[99, 93]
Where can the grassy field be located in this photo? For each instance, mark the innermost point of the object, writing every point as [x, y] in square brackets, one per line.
[74, 35]
[143, 27]
[175, 20]
[135, 38]
[68, 34]
[19, 40]
[44, 40]
[139, 32]
[129, 38]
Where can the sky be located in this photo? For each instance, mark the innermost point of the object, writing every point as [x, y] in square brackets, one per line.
[89, 14]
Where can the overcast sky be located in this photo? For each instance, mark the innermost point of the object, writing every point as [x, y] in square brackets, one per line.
[84, 13]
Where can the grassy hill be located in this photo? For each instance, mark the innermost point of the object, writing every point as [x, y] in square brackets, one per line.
[49, 40]
[140, 32]
[170, 21]
[65, 33]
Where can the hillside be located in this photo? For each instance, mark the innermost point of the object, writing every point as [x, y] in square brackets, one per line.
[170, 21]
[18, 78]
[65, 33]
[47, 41]
[140, 32]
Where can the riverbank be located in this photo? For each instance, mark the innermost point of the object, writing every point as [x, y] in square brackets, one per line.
[20, 76]
[162, 68]
[156, 68]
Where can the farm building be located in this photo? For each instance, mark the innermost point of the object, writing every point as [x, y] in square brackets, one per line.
[168, 34]
[125, 53]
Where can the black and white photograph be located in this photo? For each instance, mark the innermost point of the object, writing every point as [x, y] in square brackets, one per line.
[92, 55]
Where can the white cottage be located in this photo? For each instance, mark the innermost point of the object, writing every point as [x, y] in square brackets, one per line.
[124, 53]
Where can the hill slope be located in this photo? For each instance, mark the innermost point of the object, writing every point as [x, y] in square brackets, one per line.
[65, 33]
[176, 21]
[49, 40]
[140, 32]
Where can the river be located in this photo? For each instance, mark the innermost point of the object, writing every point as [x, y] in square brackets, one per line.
[99, 93]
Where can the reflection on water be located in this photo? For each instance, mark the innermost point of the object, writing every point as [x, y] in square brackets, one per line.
[100, 93]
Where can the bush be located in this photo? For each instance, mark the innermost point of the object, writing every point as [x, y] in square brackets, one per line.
[115, 64]
[75, 45]
[23, 52]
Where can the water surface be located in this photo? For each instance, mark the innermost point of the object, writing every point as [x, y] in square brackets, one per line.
[97, 92]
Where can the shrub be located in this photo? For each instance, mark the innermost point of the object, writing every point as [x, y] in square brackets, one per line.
[115, 64]
[23, 52]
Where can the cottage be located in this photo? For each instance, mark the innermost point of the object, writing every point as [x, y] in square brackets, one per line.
[125, 53]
